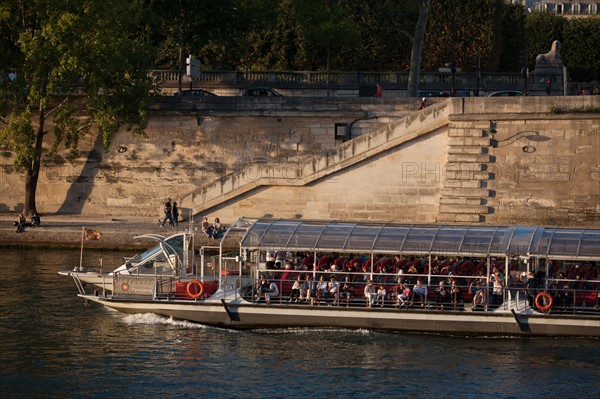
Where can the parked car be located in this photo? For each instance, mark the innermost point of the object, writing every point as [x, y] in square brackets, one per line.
[506, 93]
[195, 92]
[262, 92]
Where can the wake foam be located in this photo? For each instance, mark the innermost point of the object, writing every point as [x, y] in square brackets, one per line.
[154, 319]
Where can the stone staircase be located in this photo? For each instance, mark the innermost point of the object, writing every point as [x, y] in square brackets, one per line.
[465, 192]
[315, 167]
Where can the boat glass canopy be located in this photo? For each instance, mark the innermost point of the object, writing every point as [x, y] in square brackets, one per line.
[391, 238]
[163, 257]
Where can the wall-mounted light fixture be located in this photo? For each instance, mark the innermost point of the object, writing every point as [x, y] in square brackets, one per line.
[341, 131]
[527, 135]
[490, 131]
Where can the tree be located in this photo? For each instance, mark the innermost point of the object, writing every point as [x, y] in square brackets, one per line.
[541, 29]
[71, 58]
[478, 34]
[580, 50]
[382, 48]
[327, 27]
[513, 56]
[417, 38]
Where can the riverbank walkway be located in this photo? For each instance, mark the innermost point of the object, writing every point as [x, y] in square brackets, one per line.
[65, 231]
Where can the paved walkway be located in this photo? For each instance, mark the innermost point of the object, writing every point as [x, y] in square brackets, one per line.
[65, 231]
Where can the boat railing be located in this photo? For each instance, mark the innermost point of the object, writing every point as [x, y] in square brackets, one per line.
[469, 292]
[78, 283]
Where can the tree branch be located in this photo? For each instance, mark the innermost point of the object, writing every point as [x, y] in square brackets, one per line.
[53, 110]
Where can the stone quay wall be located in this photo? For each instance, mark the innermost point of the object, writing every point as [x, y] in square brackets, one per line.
[279, 157]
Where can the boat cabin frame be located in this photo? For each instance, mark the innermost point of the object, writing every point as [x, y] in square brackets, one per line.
[531, 249]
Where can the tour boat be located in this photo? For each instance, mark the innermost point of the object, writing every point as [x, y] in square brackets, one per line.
[489, 270]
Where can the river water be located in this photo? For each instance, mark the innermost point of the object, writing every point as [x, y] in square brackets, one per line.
[52, 346]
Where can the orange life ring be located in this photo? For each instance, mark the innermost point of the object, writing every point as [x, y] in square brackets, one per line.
[195, 283]
[125, 287]
[548, 301]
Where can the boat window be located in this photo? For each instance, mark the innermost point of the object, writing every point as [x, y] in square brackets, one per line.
[335, 236]
[158, 265]
[362, 237]
[390, 238]
[278, 235]
[306, 236]
[143, 257]
[175, 246]
[419, 240]
[160, 259]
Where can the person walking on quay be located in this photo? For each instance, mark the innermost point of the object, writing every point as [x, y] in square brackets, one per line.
[168, 213]
[175, 211]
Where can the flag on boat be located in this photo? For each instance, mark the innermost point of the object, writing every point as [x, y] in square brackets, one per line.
[90, 234]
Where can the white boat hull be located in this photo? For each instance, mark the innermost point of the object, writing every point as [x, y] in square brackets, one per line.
[240, 314]
[96, 279]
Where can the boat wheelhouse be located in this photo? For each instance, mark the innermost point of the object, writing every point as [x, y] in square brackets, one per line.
[172, 256]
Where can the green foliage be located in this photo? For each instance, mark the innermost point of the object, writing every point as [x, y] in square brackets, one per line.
[68, 55]
[478, 34]
[327, 26]
[541, 29]
[580, 48]
[20, 134]
[513, 32]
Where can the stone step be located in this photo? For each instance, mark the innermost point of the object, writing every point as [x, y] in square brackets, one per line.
[465, 149]
[465, 209]
[466, 175]
[469, 158]
[459, 218]
[462, 201]
[462, 141]
[465, 192]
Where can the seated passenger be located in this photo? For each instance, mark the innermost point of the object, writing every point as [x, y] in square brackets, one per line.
[561, 293]
[441, 295]
[309, 289]
[477, 283]
[381, 295]
[321, 288]
[272, 292]
[347, 291]
[262, 287]
[296, 287]
[332, 290]
[402, 295]
[420, 292]
[369, 293]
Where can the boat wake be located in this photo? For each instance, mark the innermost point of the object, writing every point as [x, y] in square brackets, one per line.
[151, 318]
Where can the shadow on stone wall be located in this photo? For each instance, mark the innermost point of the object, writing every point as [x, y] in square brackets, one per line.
[81, 186]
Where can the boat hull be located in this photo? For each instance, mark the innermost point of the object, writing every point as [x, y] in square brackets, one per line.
[96, 279]
[245, 315]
